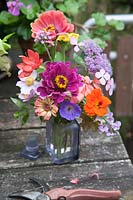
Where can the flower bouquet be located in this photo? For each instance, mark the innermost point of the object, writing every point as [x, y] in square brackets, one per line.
[68, 84]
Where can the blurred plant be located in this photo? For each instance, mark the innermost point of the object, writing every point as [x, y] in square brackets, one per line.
[103, 30]
[20, 13]
[5, 63]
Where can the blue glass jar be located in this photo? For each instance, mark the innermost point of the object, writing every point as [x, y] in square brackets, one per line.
[62, 141]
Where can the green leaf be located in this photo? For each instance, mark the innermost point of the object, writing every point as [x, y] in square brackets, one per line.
[17, 114]
[117, 24]
[71, 7]
[18, 103]
[25, 118]
[24, 31]
[7, 37]
[101, 43]
[58, 56]
[6, 18]
[78, 59]
[5, 64]
[39, 48]
[31, 8]
[100, 18]
[5, 46]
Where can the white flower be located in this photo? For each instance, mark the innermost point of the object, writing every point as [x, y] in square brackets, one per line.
[103, 76]
[110, 86]
[27, 84]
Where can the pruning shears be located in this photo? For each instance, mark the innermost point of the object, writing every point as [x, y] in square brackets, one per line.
[64, 194]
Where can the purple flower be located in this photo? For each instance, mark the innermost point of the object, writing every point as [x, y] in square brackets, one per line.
[108, 126]
[95, 59]
[13, 7]
[59, 81]
[69, 110]
[98, 62]
[91, 48]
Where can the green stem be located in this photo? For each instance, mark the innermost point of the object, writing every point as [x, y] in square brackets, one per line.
[63, 52]
[48, 52]
[53, 50]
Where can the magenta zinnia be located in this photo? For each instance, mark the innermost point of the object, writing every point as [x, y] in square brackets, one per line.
[59, 81]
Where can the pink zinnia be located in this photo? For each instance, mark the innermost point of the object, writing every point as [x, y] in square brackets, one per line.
[45, 108]
[30, 63]
[59, 81]
[49, 25]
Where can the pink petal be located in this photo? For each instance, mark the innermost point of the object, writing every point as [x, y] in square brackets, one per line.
[74, 181]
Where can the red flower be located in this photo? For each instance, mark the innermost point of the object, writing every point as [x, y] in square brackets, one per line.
[51, 23]
[30, 63]
[96, 103]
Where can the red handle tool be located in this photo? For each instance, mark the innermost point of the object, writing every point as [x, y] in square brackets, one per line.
[83, 194]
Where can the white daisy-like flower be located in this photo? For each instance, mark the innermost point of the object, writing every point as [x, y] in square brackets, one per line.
[29, 83]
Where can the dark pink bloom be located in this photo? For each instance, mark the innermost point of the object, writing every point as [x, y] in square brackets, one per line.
[59, 81]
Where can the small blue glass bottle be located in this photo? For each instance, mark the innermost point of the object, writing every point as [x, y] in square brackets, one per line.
[31, 149]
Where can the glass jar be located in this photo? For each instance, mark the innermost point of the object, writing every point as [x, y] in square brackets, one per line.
[62, 141]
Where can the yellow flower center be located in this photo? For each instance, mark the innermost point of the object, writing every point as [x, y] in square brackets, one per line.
[29, 81]
[73, 35]
[49, 28]
[61, 81]
[63, 37]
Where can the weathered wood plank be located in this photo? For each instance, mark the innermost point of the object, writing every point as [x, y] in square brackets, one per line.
[98, 154]
[124, 77]
[112, 175]
[94, 147]
[7, 120]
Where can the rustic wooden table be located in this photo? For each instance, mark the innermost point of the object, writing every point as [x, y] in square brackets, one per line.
[105, 156]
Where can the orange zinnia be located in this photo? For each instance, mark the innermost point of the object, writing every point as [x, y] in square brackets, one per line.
[96, 103]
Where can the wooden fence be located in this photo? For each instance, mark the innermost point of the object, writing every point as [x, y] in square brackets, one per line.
[124, 77]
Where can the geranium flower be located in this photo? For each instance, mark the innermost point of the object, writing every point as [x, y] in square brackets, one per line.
[29, 83]
[30, 63]
[96, 103]
[59, 80]
[85, 89]
[49, 25]
[45, 108]
[69, 110]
